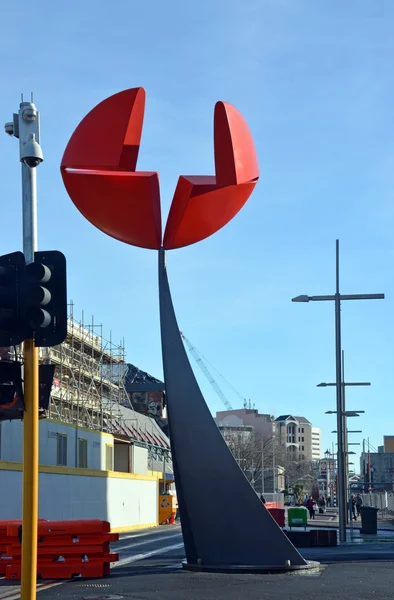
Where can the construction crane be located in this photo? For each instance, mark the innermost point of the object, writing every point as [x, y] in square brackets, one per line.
[199, 360]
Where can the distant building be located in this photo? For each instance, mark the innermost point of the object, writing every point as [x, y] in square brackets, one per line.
[377, 471]
[295, 433]
[245, 417]
[388, 443]
[377, 468]
[316, 443]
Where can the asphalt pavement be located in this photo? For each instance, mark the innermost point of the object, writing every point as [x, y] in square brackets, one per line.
[150, 561]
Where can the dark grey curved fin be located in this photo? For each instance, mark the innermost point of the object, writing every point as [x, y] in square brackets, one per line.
[223, 519]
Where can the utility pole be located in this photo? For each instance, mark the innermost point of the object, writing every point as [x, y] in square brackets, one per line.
[273, 465]
[342, 508]
[26, 127]
[345, 440]
[337, 298]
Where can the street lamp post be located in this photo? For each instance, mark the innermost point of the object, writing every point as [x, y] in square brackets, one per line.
[337, 297]
[346, 414]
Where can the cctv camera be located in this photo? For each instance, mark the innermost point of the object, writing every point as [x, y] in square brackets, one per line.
[9, 128]
[31, 153]
[32, 161]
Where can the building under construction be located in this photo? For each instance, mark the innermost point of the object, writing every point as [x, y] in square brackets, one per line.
[89, 389]
[89, 376]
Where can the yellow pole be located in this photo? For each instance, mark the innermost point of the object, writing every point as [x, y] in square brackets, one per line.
[30, 473]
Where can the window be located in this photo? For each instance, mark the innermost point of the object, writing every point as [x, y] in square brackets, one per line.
[298, 430]
[61, 450]
[302, 430]
[109, 457]
[298, 438]
[302, 448]
[82, 453]
[302, 440]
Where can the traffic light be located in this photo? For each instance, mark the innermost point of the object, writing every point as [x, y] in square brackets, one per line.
[33, 299]
[12, 403]
[46, 374]
[44, 298]
[12, 272]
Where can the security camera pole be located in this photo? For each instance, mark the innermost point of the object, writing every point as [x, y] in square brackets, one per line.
[26, 127]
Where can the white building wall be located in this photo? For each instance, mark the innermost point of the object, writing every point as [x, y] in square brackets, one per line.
[132, 502]
[127, 502]
[140, 460]
[11, 441]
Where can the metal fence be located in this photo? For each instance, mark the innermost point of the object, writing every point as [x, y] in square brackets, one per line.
[384, 501]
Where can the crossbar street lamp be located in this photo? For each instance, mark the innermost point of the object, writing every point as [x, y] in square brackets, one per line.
[346, 414]
[336, 298]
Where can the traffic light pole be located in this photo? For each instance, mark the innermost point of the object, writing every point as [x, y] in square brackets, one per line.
[31, 389]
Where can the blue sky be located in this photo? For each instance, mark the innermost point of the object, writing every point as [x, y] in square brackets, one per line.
[315, 82]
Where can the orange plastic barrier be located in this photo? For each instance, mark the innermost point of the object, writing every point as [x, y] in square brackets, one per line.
[6, 540]
[66, 549]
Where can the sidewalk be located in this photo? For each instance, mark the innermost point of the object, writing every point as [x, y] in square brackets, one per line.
[350, 580]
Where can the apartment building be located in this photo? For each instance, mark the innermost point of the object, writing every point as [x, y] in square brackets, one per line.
[295, 433]
[316, 444]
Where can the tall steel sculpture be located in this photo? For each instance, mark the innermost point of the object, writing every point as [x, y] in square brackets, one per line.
[228, 527]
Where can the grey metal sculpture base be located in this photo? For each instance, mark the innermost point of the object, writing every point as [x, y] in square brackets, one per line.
[249, 569]
[224, 523]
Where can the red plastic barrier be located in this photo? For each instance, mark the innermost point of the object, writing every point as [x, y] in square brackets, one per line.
[63, 570]
[50, 528]
[279, 515]
[66, 549]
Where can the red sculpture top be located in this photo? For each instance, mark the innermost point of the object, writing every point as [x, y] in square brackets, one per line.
[99, 172]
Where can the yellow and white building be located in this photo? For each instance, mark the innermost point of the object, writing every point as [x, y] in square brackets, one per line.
[98, 457]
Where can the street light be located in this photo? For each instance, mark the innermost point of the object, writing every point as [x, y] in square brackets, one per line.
[350, 431]
[356, 383]
[353, 444]
[346, 413]
[337, 297]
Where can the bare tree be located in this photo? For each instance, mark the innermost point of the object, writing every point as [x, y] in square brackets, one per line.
[257, 455]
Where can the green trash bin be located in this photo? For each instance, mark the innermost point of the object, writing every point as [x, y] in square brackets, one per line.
[297, 516]
[369, 519]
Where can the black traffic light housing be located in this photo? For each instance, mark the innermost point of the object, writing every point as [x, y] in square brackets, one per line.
[12, 404]
[12, 273]
[33, 299]
[46, 375]
[44, 299]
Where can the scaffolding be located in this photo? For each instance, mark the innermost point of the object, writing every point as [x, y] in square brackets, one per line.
[89, 388]
[89, 383]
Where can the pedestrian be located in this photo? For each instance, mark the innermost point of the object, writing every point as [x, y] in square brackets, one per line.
[352, 502]
[262, 499]
[359, 503]
[329, 501]
[310, 504]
